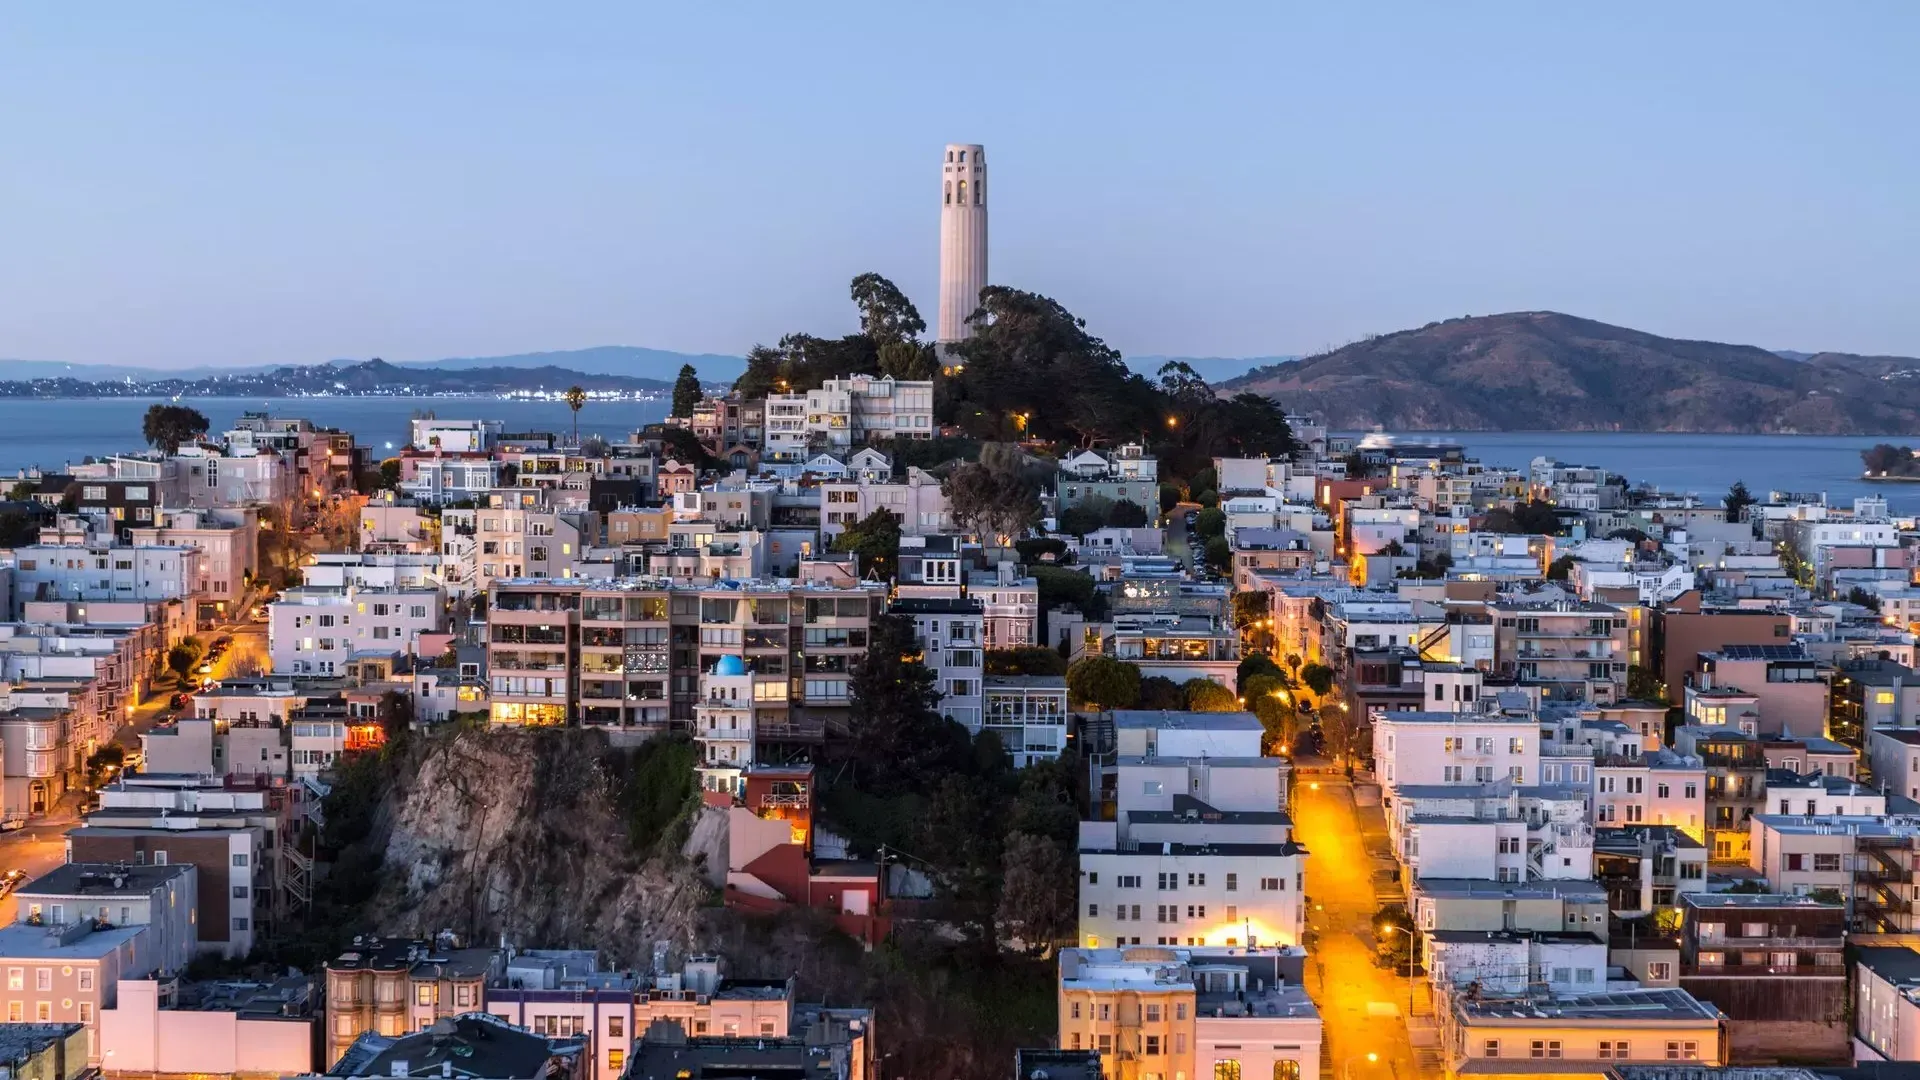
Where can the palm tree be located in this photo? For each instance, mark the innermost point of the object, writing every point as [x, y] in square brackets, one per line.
[576, 397]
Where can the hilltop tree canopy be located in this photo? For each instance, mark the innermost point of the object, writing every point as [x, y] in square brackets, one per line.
[165, 427]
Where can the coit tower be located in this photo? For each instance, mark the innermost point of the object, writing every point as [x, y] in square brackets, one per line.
[963, 238]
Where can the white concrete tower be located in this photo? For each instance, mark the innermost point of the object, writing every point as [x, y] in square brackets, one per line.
[963, 238]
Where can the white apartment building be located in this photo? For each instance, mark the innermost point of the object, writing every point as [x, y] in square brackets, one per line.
[1198, 850]
[1029, 714]
[364, 570]
[1895, 756]
[440, 478]
[1511, 963]
[850, 412]
[786, 431]
[209, 476]
[917, 503]
[315, 631]
[723, 722]
[453, 436]
[1010, 605]
[98, 571]
[1457, 748]
[1886, 1003]
[227, 541]
[951, 632]
[516, 542]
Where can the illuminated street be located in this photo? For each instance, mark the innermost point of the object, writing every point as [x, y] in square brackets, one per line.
[1363, 1006]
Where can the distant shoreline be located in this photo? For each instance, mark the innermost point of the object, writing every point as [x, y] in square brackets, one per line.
[1885, 479]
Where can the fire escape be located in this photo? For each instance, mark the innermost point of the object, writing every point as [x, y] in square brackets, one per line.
[1883, 883]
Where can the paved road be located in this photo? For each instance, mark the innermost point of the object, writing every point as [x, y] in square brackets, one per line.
[1362, 1006]
[35, 849]
[247, 654]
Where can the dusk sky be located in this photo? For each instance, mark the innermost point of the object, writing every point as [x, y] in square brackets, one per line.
[227, 183]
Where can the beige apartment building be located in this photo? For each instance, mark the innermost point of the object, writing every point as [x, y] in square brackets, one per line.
[1195, 1012]
[629, 653]
[398, 986]
[1581, 1036]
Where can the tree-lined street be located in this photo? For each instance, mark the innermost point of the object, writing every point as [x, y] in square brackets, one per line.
[1362, 1005]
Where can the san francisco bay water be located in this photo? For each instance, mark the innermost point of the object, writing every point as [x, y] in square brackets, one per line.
[51, 434]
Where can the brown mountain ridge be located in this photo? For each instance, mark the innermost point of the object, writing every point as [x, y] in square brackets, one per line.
[1544, 371]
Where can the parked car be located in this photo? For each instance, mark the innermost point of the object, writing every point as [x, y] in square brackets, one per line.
[9, 825]
[180, 700]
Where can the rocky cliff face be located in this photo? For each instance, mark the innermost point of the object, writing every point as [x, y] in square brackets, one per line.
[527, 835]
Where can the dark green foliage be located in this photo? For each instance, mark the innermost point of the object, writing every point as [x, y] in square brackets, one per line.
[1126, 514]
[1561, 568]
[18, 527]
[184, 657]
[1865, 599]
[1256, 665]
[655, 791]
[686, 391]
[1219, 555]
[683, 446]
[991, 503]
[896, 738]
[1531, 518]
[1104, 682]
[1738, 499]
[1632, 536]
[1060, 585]
[1205, 695]
[1036, 549]
[1317, 678]
[1160, 692]
[876, 540]
[1082, 518]
[1210, 523]
[166, 427]
[932, 453]
[1169, 498]
[1644, 685]
[1025, 660]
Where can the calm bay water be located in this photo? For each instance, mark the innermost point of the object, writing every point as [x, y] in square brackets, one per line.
[1705, 465]
[52, 433]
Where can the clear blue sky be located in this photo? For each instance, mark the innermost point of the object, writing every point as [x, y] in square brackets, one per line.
[225, 183]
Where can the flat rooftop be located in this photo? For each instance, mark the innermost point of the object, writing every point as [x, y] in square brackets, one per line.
[1169, 720]
[103, 879]
[1640, 1005]
[1477, 889]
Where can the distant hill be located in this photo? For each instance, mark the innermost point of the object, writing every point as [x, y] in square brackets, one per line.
[627, 360]
[1544, 371]
[631, 360]
[1211, 368]
[370, 378]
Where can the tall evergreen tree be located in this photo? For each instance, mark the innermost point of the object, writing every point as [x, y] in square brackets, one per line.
[686, 391]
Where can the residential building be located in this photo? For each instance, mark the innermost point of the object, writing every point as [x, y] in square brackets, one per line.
[94, 570]
[1457, 748]
[68, 973]
[1580, 1034]
[227, 540]
[1691, 624]
[1736, 768]
[628, 652]
[228, 835]
[161, 898]
[1646, 868]
[1281, 550]
[770, 859]
[208, 476]
[247, 1031]
[1575, 650]
[951, 631]
[1190, 817]
[1886, 1003]
[830, 1049]
[847, 413]
[554, 992]
[1010, 606]
[1894, 756]
[478, 1045]
[1189, 1012]
[1028, 713]
[1774, 964]
[1655, 787]
[1789, 684]
[317, 631]
[1510, 963]
[390, 987]
[45, 1051]
[1468, 904]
